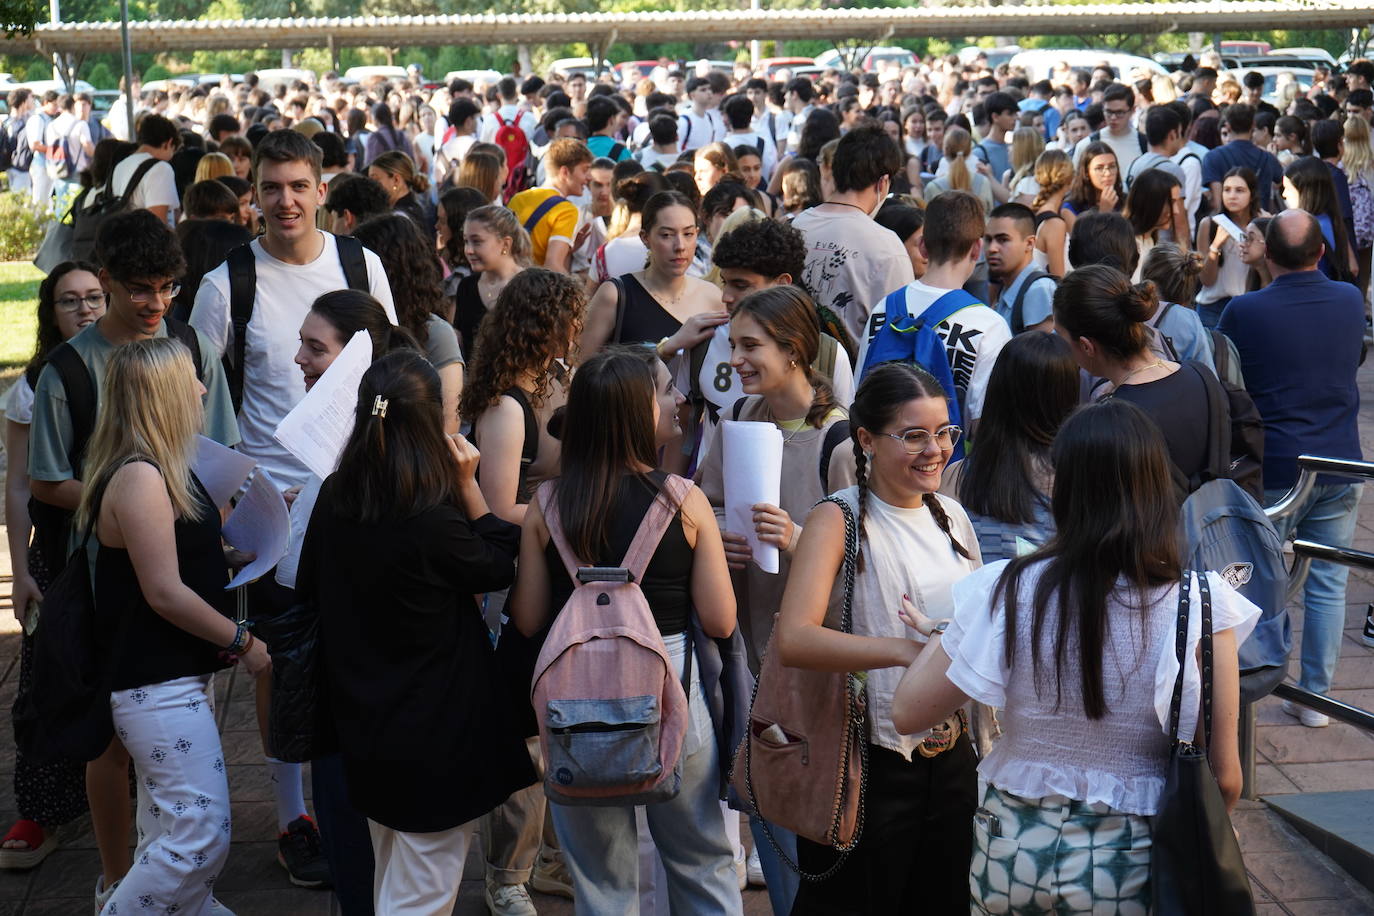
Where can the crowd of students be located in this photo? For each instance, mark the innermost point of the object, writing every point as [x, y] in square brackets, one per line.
[584, 282]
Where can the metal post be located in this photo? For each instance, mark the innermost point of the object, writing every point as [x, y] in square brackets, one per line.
[753, 42]
[55, 16]
[128, 62]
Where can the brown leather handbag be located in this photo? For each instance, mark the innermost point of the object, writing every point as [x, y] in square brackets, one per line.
[803, 764]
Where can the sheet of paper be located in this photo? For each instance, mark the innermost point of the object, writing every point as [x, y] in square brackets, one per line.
[1225, 222]
[317, 428]
[259, 524]
[221, 470]
[752, 462]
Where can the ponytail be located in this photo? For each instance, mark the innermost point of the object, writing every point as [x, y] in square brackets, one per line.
[937, 512]
[1101, 303]
[823, 399]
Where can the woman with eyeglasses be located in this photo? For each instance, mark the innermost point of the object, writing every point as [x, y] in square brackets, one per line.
[914, 544]
[47, 795]
[1096, 183]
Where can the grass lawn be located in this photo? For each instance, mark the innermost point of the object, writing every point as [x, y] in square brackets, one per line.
[18, 320]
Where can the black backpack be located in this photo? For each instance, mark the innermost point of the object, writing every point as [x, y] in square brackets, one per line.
[1018, 317]
[8, 142]
[15, 152]
[243, 292]
[52, 524]
[86, 221]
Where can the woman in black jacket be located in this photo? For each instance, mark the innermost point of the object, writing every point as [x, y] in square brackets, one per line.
[399, 542]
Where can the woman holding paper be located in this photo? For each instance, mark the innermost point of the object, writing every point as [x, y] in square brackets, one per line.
[160, 573]
[1220, 237]
[914, 544]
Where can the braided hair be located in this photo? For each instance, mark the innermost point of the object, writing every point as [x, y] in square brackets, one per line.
[882, 393]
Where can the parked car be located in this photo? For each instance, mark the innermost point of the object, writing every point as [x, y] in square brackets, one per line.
[1040, 64]
[381, 71]
[589, 68]
[769, 66]
[276, 76]
[476, 77]
[632, 71]
[868, 59]
[996, 57]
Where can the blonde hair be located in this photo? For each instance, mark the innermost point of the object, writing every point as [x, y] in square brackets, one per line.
[484, 171]
[1358, 159]
[1027, 144]
[394, 162]
[504, 224]
[1054, 173]
[149, 409]
[958, 147]
[826, 157]
[213, 165]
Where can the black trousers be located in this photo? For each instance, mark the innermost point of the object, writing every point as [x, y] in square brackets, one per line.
[913, 856]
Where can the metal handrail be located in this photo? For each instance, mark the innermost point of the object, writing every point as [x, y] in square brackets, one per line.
[1304, 552]
[1344, 712]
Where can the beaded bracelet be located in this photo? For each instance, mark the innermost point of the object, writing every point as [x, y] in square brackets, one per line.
[243, 641]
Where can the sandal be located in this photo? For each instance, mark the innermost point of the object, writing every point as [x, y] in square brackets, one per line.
[40, 845]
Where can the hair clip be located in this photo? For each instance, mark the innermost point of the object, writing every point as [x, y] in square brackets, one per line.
[379, 407]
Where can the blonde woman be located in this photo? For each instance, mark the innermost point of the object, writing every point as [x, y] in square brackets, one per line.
[483, 170]
[497, 248]
[1054, 175]
[1358, 164]
[957, 174]
[1027, 144]
[159, 581]
[213, 165]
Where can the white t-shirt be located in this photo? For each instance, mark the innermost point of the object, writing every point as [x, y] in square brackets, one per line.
[36, 128]
[622, 255]
[19, 402]
[851, 262]
[272, 382]
[648, 158]
[752, 139]
[158, 188]
[1048, 745]
[695, 131]
[508, 114]
[973, 337]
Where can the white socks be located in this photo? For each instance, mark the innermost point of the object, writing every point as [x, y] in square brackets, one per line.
[286, 788]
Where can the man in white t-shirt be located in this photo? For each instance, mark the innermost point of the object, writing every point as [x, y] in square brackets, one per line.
[700, 123]
[851, 261]
[510, 112]
[973, 336]
[36, 127]
[739, 116]
[293, 264]
[156, 191]
[797, 100]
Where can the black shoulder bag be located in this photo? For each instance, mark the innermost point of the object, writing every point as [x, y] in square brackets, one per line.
[1195, 865]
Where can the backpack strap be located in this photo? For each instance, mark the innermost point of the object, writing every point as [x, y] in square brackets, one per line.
[834, 435]
[79, 386]
[688, 135]
[542, 210]
[737, 407]
[180, 330]
[549, 506]
[353, 262]
[1140, 138]
[243, 290]
[144, 168]
[759, 146]
[615, 152]
[1018, 317]
[826, 356]
[1218, 424]
[661, 513]
[939, 311]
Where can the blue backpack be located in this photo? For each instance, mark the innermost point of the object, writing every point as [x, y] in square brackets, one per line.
[903, 338]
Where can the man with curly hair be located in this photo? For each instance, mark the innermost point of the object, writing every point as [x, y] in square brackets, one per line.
[754, 255]
[286, 269]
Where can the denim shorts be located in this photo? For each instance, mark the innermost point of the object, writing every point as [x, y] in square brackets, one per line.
[1059, 856]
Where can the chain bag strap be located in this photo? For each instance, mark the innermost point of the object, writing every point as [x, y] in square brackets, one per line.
[856, 733]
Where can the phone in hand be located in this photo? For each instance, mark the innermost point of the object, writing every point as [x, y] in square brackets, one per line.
[31, 616]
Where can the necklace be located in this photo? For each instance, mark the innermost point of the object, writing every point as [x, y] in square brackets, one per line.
[491, 290]
[844, 203]
[667, 303]
[1157, 364]
[787, 437]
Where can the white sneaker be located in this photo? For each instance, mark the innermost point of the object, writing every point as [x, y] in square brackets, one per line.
[742, 873]
[1309, 717]
[551, 874]
[509, 900]
[755, 869]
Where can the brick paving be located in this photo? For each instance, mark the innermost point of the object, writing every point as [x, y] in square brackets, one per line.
[1289, 876]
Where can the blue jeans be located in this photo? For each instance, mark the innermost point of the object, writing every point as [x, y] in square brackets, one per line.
[600, 845]
[1328, 517]
[782, 879]
[1210, 312]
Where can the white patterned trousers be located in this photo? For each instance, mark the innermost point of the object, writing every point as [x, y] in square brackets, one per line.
[183, 797]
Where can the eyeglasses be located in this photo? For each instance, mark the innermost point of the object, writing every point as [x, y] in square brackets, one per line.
[918, 440]
[1116, 112]
[146, 293]
[1104, 169]
[76, 303]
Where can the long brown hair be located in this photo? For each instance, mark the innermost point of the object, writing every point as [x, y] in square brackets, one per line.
[396, 463]
[789, 316]
[1083, 194]
[1115, 518]
[608, 431]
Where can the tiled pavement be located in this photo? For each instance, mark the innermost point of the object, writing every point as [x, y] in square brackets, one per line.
[1289, 876]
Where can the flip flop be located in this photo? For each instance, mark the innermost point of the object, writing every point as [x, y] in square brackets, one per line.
[40, 845]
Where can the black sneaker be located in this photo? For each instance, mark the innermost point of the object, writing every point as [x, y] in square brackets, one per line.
[1369, 626]
[298, 851]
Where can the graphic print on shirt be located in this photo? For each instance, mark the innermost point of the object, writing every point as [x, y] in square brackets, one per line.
[824, 277]
[961, 348]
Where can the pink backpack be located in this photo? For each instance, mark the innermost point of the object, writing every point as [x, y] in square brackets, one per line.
[612, 711]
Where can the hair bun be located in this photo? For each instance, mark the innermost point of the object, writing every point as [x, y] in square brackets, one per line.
[1140, 301]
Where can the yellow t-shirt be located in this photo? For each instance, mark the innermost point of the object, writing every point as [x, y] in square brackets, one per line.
[559, 222]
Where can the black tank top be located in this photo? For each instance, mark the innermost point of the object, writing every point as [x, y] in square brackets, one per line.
[642, 319]
[468, 312]
[667, 580]
[149, 649]
[1043, 217]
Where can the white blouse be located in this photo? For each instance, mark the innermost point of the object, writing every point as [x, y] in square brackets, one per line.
[1049, 746]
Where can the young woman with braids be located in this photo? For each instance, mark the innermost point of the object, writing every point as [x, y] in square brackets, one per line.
[1054, 174]
[1075, 643]
[417, 288]
[914, 543]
